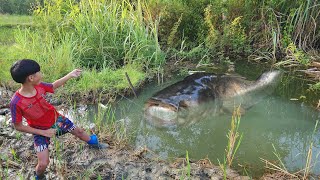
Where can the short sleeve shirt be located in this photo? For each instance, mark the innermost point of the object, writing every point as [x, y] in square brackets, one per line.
[36, 110]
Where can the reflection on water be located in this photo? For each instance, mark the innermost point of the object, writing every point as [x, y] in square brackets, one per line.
[275, 121]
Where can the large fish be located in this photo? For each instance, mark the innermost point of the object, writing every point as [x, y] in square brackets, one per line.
[186, 101]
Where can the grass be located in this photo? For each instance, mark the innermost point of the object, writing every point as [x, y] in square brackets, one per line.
[186, 172]
[9, 20]
[234, 141]
[106, 40]
[6, 36]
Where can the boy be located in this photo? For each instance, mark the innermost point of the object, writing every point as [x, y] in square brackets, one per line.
[43, 119]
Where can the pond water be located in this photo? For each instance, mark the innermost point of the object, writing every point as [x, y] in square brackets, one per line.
[277, 124]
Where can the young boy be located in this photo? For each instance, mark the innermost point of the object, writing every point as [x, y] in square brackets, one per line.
[43, 119]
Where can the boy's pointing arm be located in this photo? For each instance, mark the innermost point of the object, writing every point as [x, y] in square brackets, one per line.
[73, 74]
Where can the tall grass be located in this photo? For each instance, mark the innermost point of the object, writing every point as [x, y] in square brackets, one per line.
[107, 33]
[234, 138]
[105, 38]
[234, 141]
[289, 24]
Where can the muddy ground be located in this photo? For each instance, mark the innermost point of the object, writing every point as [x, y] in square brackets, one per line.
[72, 159]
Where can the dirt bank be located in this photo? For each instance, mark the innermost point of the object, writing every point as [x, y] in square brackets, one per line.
[75, 160]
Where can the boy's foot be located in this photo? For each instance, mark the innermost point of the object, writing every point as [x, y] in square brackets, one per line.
[99, 146]
[94, 143]
[37, 177]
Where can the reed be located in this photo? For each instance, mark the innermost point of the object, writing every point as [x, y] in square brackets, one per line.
[223, 167]
[188, 167]
[309, 165]
[234, 141]
[234, 138]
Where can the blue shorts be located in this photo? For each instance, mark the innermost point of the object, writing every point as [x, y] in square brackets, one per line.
[62, 125]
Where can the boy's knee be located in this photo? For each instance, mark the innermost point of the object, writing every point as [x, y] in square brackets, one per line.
[78, 131]
[43, 163]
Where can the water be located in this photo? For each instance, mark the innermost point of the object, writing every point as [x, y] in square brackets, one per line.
[275, 125]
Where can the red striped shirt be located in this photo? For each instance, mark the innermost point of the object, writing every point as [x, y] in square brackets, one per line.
[36, 110]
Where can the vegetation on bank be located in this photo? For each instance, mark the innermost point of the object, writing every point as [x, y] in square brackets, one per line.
[109, 38]
[113, 37]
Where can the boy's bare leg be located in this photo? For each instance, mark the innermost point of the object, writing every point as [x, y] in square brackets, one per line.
[81, 134]
[43, 162]
[91, 140]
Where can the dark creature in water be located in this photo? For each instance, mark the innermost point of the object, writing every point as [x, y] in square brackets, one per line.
[180, 103]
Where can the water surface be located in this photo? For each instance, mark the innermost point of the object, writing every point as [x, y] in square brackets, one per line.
[274, 125]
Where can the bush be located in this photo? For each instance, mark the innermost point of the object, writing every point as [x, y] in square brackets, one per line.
[17, 6]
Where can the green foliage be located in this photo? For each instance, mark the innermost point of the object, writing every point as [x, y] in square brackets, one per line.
[173, 32]
[107, 33]
[187, 24]
[187, 171]
[297, 55]
[106, 80]
[105, 38]
[16, 6]
[6, 36]
[181, 18]
[55, 59]
[14, 20]
[315, 87]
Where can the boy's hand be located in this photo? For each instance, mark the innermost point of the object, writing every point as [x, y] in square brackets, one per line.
[75, 73]
[49, 132]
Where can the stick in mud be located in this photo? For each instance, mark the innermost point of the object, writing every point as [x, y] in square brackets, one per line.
[131, 86]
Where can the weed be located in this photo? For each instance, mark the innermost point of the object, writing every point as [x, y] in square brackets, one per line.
[233, 135]
[233, 142]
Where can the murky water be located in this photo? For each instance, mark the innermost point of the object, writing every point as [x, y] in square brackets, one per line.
[275, 125]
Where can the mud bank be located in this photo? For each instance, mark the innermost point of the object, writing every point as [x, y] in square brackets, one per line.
[72, 159]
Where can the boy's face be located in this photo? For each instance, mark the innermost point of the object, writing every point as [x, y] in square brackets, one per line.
[35, 78]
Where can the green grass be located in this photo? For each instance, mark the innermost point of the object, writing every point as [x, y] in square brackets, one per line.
[9, 52]
[106, 80]
[6, 35]
[15, 20]
[106, 40]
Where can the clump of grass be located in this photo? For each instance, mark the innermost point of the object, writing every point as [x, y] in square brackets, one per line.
[309, 165]
[187, 171]
[6, 36]
[107, 80]
[234, 141]
[106, 125]
[234, 138]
